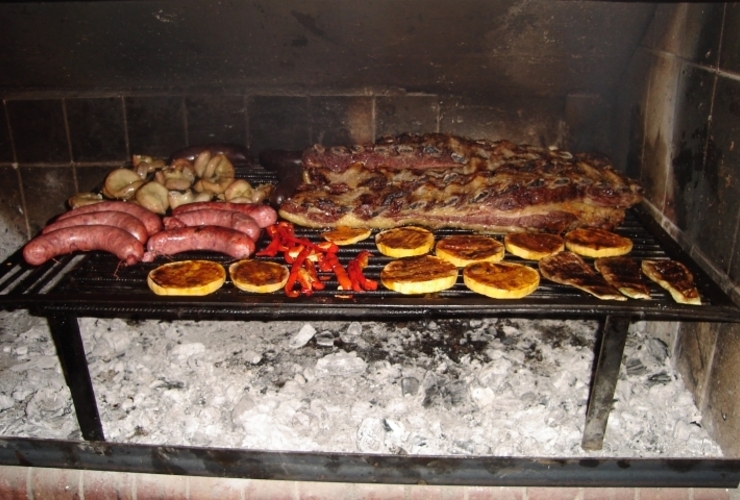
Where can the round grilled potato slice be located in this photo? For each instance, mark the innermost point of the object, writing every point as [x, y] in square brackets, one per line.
[592, 242]
[344, 235]
[501, 280]
[419, 275]
[407, 241]
[533, 246]
[464, 249]
[186, 277]
[258, 276]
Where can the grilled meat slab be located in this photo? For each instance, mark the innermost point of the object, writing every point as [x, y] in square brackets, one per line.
[624, 274]
[438, 180]
[568, 268]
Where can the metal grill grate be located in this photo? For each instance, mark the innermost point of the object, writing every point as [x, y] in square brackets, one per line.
[97, 284]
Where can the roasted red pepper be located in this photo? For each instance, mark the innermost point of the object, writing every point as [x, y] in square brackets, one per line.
[301, 253]
[355, 267]
[294, 274]
[339, 271]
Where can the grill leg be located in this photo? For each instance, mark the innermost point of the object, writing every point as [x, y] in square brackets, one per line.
[613, 338]
[71, 353]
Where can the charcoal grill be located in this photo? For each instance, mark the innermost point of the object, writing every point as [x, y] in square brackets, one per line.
[96, 284]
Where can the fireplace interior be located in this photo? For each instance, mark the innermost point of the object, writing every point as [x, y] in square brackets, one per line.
[654, 86]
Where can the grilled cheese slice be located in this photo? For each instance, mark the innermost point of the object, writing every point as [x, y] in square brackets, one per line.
[407, 241]
[419, 275]
[593, 242]
[187, 277]
[465, 249]
[674, 277]
[501, 280]
[533, 246]
[624, 274]
[258, 276]
[344, 235]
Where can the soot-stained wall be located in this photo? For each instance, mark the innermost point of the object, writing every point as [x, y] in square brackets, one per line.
[678, 127]
[86, 84]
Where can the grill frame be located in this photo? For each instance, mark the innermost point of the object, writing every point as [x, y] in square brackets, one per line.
[95, 284]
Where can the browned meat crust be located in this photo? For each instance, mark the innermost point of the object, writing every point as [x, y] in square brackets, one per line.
[439, 180]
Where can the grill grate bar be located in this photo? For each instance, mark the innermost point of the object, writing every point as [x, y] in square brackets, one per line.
[97, 282]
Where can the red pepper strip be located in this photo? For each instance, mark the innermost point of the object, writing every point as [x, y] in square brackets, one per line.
[289, 238]
[339, 271]
[328, 246]
[356, 266]
[306, 281]
[311, 269]
[274, 246]
[324, 263]
[353, 269]
[290, 252]
[293, 276]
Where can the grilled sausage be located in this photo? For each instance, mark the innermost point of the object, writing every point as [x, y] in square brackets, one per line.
[106, 218]
[151, 220]
[263, 214]
[214, 238]
[211, 217]
[84, 238]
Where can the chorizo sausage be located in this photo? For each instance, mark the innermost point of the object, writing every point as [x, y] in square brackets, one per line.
[213, 238]
[211, 217]
[84, 238]
[263, 214]
[105, 218]
[151, 220]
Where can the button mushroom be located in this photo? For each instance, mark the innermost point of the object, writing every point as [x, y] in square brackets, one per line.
[241, 191]
[177, 177]
[82, 199]
[144, 165]
[153, 196]
[121, 184]
[218, 175]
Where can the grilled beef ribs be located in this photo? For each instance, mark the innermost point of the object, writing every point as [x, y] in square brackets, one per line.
[438, 180]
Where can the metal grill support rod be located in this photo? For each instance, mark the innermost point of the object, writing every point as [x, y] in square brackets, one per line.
[601, 396]
[65, 331]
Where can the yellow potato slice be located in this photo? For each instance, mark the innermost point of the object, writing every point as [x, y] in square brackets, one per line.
[258, 276]
[187, 277]
[592, 242]
[343, 235]
[407, 241]
[533, 246]
[501, 280]
[465, 249]
[419, 275]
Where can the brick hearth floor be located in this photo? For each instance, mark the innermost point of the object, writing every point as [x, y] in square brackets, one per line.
[27, 483]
